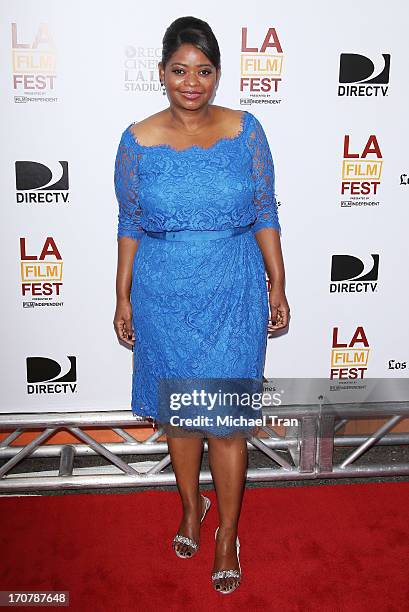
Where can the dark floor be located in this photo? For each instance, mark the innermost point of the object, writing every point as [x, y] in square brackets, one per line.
[385, 455]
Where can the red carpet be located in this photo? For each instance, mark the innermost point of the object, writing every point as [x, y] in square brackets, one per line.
[319, 548]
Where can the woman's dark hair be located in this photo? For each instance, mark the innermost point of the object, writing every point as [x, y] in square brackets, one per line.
[192, 31]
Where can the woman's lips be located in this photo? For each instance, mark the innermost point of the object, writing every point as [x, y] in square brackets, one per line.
[191, 96]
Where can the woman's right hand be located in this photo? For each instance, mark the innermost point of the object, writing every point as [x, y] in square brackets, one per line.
[123, 322]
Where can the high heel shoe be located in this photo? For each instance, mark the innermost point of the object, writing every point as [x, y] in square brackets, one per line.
[180, 539]
[230, 573]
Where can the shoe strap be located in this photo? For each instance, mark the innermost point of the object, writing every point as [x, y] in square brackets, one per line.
[179, 539]
[226, 574]
[207, 506]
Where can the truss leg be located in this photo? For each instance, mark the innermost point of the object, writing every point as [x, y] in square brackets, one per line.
[369, 442]
[161, 465]
[67, 460]
[101, 450]
[270, 453]
[6, 441]
[326, 443]
[308, 444]
[294, 448]
[26, 450]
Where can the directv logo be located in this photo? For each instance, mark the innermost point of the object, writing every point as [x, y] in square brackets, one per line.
[370, 77]
[37, 183]
[46, 376]
[351, 274]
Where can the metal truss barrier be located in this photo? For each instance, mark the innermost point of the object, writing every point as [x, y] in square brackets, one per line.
[304, 451]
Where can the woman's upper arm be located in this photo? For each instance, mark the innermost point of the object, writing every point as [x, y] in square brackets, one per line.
[264, 178]
[126, 182]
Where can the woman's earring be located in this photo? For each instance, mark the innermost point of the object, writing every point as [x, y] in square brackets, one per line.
[163, 88]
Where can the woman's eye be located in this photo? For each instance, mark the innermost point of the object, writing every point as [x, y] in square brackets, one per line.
[179, 70]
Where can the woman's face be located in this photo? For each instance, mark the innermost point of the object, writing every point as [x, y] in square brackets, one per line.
[189, 77]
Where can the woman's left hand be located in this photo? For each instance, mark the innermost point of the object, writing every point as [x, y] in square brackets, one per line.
[279, 309]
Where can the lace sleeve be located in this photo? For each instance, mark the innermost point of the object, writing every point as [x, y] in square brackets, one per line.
[126, 181]
[264, 178]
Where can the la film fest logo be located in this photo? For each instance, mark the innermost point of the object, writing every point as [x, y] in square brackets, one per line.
[261, 67]
[46, 376]
[38, 183]
[141, 68]
[34, 65]
[349, 359]
[361, 172]
[361, 76]
[350, 274]
[41, 274]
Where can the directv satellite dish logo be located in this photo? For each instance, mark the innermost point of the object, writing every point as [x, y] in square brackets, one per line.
[38, 183]
[47, 376]
[370, 77]
[350, 274]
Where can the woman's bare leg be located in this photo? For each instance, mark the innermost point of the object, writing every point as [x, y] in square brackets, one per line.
[228, 464]
[186, 455]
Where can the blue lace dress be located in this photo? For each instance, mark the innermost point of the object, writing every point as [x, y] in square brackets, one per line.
[200, 309]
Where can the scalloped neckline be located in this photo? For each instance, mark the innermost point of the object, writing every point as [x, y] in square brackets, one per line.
[169, 147]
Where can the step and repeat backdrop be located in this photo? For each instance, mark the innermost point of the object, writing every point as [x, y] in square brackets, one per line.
[329, 84]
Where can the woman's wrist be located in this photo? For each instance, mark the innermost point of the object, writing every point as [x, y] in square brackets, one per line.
[276, 284]
[122, 297]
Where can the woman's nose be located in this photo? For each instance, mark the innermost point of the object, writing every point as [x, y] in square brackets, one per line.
[191, 79]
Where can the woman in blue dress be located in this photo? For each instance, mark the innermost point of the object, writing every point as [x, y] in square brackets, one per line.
[197, 231]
